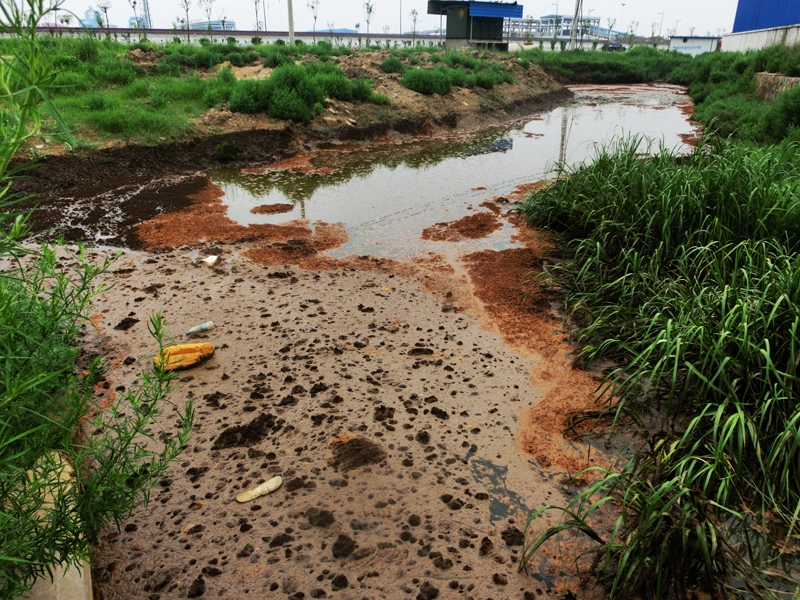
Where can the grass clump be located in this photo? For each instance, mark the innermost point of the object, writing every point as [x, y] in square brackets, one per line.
[427, 81]
[297, 92]
[392, 64]
[685, 273]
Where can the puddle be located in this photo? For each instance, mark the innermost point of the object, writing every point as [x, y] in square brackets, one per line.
[503, 502]
[387, 195]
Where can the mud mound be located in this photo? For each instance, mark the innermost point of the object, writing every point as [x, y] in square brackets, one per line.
[472, 227]
[272, 209]
[352, 451]
[326, 236]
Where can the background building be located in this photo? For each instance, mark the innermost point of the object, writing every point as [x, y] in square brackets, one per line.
[472, 23]
[218, 25]
[694, 45]
[762, 23]
[752, 15]
[558, 26]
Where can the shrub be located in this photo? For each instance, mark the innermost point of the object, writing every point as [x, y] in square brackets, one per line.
[362, 89]
[97, 102]
[427, 81]
[138, 89]
[392, 64]
[455, 59]
[287, 103]
[86, 49]
[380, 99]
[157, 99]
[250, 96]
[168, 67]
[335, 86]
[255, 40]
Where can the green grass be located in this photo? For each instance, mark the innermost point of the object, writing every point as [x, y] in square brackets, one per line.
[106, 96]
[686, 274]
[453, 70]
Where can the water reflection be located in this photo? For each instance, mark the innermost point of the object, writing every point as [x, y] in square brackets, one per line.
[386, 195]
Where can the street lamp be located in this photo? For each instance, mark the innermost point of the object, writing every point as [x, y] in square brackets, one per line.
[622, 17]
[676, 27]
[555, 22]
[661, 25]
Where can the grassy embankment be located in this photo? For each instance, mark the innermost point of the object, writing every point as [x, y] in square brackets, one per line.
[686, 274]
[104, 95]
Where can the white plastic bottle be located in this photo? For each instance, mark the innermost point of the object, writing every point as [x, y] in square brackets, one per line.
[201, 328]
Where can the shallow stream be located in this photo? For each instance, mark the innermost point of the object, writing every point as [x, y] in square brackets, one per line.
[387, 194]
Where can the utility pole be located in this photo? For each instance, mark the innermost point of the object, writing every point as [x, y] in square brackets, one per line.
[264, 7]
[401, 17]
[148, 24]
[573, 32]
[661, 25]
[291, 24]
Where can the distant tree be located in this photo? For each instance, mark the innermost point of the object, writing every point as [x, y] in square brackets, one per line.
[414, 16]
[223, 19]
[65, 20]
[313, 6]
[104, 7]
[185, 6]
[611, 23]
[369, 7]
[135, 17]
[632, 32]
[653, 29]
[691, 30]
[207, 6]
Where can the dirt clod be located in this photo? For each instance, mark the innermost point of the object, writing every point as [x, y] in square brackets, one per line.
[343, 546]
[351, 452]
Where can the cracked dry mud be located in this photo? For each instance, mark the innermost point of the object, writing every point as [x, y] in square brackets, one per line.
[392, 417]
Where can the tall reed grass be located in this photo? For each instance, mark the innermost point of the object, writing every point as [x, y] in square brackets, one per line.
[686, 273]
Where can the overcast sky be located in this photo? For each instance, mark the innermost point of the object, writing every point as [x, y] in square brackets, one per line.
[705, 17]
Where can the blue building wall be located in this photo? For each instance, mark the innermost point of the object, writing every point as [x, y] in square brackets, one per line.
[765, 14]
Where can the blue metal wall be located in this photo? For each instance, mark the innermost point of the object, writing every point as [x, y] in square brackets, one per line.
[765, 14]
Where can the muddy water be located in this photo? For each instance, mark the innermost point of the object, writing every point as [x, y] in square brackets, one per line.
[387, 194]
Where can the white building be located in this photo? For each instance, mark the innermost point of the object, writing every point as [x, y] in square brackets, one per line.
[695, 45]
[554, 26]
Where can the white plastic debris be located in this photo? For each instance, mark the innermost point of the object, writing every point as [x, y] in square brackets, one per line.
[260, 490]
[202, 328]
[211, 260]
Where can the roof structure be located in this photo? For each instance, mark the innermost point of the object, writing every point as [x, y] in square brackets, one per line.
[500, 10]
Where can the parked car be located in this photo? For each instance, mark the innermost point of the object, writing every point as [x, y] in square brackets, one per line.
[616, 47]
